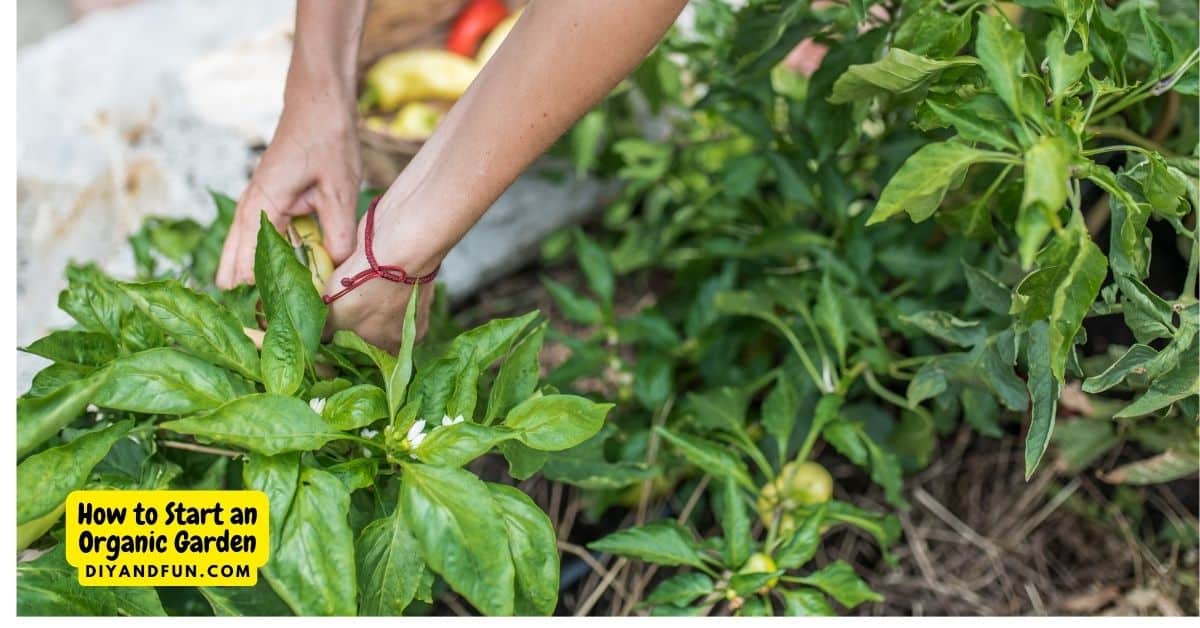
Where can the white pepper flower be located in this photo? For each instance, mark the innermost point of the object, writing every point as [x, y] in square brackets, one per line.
[317, 404]
[415, 434]
[447, 421]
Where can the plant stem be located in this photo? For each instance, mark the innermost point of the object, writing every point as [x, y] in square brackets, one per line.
[884, 393]
[1122, 133]
[362, 441]
[203, 449]
[1189, 282]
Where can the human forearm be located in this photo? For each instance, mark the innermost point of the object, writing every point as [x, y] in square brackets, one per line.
[325, 52]
[562, 57]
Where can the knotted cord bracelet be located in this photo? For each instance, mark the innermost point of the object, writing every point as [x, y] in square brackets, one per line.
[376, 270]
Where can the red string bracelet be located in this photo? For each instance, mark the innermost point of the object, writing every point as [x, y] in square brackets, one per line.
[390, 273]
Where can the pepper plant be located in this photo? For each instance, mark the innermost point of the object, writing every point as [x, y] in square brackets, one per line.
[362, 453]
[1039, 149]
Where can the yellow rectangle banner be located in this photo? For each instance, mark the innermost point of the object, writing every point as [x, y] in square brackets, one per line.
[167, 538]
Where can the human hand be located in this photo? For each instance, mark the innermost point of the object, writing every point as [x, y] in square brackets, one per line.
[311, 166]
[374, 308]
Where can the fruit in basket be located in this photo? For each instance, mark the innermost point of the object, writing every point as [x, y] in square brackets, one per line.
[476, 20]
[415, 121]
[495, 38]
[413, 75]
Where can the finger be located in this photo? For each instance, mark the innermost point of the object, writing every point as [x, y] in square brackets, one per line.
[225, 270]
[338, 224]
[257, 201]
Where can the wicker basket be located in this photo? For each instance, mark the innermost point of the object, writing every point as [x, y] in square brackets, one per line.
[394, 25]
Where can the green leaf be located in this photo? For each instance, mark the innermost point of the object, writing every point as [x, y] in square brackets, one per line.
[166, 381]
[885, 529]
[779, 411]
[747, 584]
[39, 418]
[596, 474]
[680, 589]
[805, 602]
[197, 323]
[794, 184]
[461, 533]
[533, 544]
[1146, 314]
[295, 313]
[523, 461]
[1001, 52]
[95, 301]
[986, 289]
[898, 72]
[355, 473]
[922, 182]
[45, 479]
[1043, 389]
[804, 543]
[1181, 382]
[1128, 245]
[48, 585]
[400, 375]
[278, 477]
[576, 307]
[456, 445]
[928, 382]
[653, 379]
[1130, 362]
[1065, 69]
[947, 328]
[490, 341]
[981, 118]
[263, 423]
[556, 422]
[932, 31]
[980, 411]
[518, 376]
[730, 509]
[850, 440]
[1047, 165]
[312, 566]
[349, 340]
[54, 377]
[710, 457]
[830, 317]
[389, 566]
[1062, 291]
[593, 261]
[661, 542]
[1172, 464]
[1159, 42]
[839, 581]
[355, 407]
[82, 348]
[585, 139]
[1083, 441]
[256, 601]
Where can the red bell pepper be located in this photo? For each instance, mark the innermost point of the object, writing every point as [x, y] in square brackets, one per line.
[474, 22]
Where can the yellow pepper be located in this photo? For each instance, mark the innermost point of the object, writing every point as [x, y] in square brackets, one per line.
[415, 121]
[412, 75]
[32, 530]
[312, 249]
[495, 38]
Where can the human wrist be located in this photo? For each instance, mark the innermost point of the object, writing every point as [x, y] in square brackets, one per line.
[409, 236]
